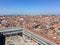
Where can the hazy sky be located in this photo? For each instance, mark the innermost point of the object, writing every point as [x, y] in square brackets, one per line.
[29, 6]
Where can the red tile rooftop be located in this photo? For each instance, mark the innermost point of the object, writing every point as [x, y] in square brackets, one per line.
[45, 26]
